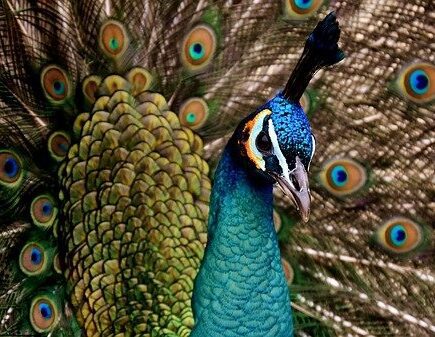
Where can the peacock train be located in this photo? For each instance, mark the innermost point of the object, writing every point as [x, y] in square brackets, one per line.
[217, 168]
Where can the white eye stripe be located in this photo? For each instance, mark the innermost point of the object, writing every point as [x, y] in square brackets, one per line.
[277, 151]
[313, 150]
[314, 146]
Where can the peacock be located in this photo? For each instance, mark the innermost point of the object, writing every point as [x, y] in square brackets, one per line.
[117, 118]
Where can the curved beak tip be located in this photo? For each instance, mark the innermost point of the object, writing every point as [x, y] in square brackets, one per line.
[305, 213]
[302, 201]
[300, 194]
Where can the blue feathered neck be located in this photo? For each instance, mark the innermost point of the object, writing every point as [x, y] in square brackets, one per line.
[241, 289]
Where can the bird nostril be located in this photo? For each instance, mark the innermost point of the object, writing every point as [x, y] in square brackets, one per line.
[295, 182]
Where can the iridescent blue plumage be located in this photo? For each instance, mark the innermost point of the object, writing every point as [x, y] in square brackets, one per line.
[339, 175]
[398, 235]
[45, 310]
[36, 256]
[11, 167]
[304, 4]
[419, 81]
[292, 128]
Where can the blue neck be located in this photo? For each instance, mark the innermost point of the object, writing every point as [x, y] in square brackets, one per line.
[241, 289]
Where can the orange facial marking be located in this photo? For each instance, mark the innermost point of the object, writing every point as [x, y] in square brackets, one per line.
[250, 126]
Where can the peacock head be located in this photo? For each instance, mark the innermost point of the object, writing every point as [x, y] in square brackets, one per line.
[278, 145]
[276, 141]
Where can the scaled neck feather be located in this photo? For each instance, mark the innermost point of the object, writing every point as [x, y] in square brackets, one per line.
[241, 288]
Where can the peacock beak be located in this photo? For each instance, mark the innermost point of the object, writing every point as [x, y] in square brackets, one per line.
[295, 186]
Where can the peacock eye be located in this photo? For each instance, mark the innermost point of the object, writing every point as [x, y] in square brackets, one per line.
[90, 87]
[416, 82]
[199, 47]
[140, 79]
[400, 235]
[44, 314]
[301, 9]
[55, 83]
[113, 39]
[10, 168]
[58, 145]
[193, 113]
[33, 259]
[263, 142]
[43, 211]
[343, 176]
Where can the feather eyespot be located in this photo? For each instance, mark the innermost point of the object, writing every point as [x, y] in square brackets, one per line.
[58, 145]
[305, 102]
[44, 314]
[33, 259]
[113, 39]
[90, 87]
[277, 221]
[309, 102]
[193, 113]
[43, 211]
[417, 82]
[55, 83]
[342, 177]
[301, 9]
[400, 235]
[140, 80]
[288, 271]
[10, 168]
[198, 48]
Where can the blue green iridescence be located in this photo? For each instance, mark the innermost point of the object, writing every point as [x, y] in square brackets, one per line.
[419, 82]
[196, 51]
[47, 208]
[64, 146]
[241, 289]
[292, 129]
[339, 176]
[36, 256]
[304, 4]
[191, 118]
[59, 87]
[11, 167]
[398, 235]
[45, 311]
[113, 43]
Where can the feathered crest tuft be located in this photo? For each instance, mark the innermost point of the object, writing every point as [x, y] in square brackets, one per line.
[321, 50]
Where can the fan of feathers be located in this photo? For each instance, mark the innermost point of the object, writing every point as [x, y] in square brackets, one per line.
[364, 263]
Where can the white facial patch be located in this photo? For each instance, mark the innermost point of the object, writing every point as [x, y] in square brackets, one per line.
[255, 127]
[278, 153]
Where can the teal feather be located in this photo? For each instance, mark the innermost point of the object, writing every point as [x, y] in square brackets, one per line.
[241, 261]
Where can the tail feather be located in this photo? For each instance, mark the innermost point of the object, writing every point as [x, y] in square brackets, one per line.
[370, 120]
